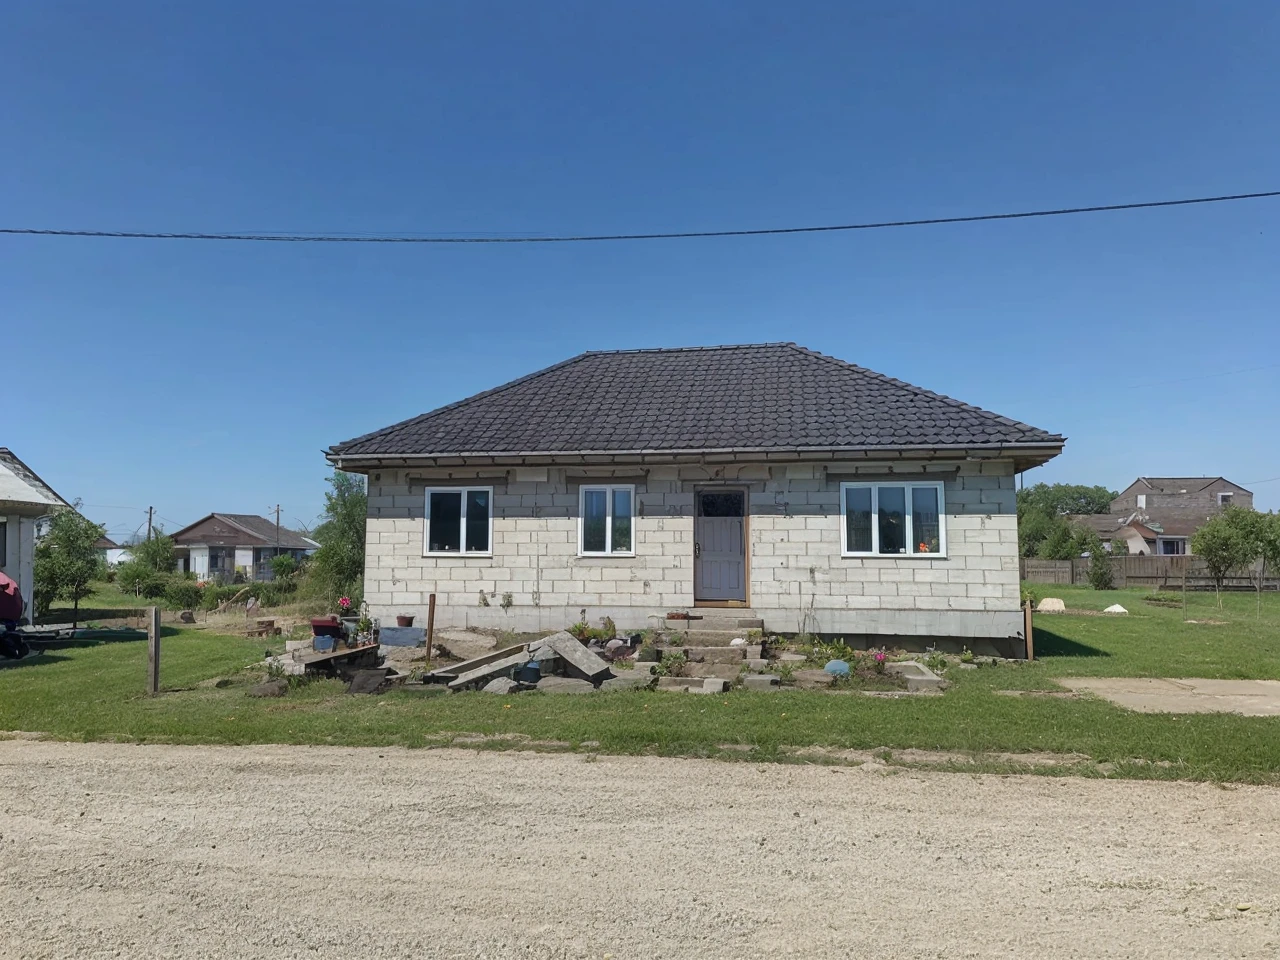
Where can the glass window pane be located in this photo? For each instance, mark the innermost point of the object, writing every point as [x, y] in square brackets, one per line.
[857, 519]
[893, 519]
[727, 503]
[445, 515]
[478, 521]
[622, 521]
[925, 528]
[594, 517]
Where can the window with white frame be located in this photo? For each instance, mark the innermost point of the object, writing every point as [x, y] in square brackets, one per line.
[459, 521]
[604, 520]
[1226, 498]
[893, 519]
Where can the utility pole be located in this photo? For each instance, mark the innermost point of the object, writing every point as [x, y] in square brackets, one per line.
[150, 512]
[277, 529]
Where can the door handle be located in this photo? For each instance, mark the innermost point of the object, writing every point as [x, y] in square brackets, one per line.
[697, 549]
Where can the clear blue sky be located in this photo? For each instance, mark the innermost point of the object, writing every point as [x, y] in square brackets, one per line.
[204, 376]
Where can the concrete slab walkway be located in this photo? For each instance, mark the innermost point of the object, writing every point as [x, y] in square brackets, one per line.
[1252, 698]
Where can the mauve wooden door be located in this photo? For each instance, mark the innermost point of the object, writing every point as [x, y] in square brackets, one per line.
[720, 546]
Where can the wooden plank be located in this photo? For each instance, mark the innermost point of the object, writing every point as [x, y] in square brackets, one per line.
[454, 670]
[489, 670]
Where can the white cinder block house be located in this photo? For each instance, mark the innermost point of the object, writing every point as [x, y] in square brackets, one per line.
[814, 494]
[25, 499]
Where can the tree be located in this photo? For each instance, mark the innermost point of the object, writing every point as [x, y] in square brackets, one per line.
[1101, 573]
[1224, 545]
[283, 566]
[1061, 498]
[339, 563]
[156, 554]
[66, 562]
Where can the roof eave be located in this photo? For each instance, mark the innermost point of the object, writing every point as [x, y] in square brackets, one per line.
[1024, 455]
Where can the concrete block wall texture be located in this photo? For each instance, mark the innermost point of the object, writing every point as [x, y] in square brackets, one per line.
[798, 580]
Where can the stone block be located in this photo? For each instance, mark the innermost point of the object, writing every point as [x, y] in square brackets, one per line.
[761, 681]
[678, 684]
[637, 680]
[711, 685]
[501, 685]
[564, 685]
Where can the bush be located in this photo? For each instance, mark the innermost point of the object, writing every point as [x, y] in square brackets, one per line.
[284, 566]
[1101, 575]
[183, 594]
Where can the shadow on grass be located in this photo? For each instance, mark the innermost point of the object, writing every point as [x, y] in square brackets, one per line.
[35, 661]
[1050, 644]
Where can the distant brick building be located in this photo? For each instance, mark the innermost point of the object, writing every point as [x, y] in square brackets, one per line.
[1158, 515]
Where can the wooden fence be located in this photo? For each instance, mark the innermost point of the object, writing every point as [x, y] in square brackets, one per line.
[1153, 573]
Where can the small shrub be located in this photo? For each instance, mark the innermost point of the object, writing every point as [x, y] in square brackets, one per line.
[966, 655]
[484, 599]
[648, 653]
[581, 630]
[672, 664]
[786, 673]
[1101, 574]
[506, 601]
[183, 594]
[1029, 594]
[283, 566]
[676, 640]
[935, 661]
[608, 629]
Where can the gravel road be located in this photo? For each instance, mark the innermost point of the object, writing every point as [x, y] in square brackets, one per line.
[110, 850]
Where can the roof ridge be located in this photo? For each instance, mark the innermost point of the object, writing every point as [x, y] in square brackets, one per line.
[698, 349]
[921, 391]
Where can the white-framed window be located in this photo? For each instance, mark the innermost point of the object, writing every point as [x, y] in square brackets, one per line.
[1142, 501]
[1226, 498]
[459, 522]
[605, 513]
[893, 519]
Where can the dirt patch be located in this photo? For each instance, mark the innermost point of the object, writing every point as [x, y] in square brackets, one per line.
[938, 758]
[1252, 698]
[251, 852]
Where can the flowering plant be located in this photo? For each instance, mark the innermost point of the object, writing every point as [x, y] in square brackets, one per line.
[345, 604]
[879, 661]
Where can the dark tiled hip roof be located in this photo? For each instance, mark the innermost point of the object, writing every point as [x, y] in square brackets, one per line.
[774, 396]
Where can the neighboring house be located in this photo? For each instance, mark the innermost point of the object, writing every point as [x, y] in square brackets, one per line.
[811, 493]
[222, 545]
[112, 553]
[1156, 516]
[25, 499]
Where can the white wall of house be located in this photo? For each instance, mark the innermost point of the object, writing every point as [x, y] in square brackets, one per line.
[798, 579]
[244, 558]
[18, 553]
[200, 562]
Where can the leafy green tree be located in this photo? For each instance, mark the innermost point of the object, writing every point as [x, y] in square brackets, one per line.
[66, 562]
[155, 554]
[339, 563]
[1059, 498]
[283, 566]
[1224, 544]
[1101, 573]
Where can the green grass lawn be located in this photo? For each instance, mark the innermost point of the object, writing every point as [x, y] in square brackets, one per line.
[96, 692]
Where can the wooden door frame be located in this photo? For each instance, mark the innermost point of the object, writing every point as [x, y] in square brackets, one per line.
[746, 543]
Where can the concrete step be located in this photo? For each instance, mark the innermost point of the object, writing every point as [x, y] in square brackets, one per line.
[724, 671]
[729, 620]
[709, 638]
[714, 654]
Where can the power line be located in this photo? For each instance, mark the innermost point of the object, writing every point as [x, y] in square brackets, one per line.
[1254, 483]
[584, 238]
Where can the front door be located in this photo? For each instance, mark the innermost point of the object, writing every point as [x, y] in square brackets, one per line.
[720, 545]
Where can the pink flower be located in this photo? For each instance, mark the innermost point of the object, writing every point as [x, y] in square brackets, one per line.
[880, 656]
[344, 602]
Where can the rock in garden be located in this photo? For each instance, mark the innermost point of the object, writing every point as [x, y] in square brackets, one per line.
[270, 688]
[761, 681]
[187, 616]
[812, 679]
[501, 685]
[565, 685]
[1051, 605]
[738, 642]
[1115, 608]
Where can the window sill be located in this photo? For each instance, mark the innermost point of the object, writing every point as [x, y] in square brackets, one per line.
[893, 556]
[606, 556]
[460, 556]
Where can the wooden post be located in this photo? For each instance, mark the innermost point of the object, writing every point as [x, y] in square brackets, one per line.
[153, 650]
[431, 624]
[1026, 626]
[1185, 563]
